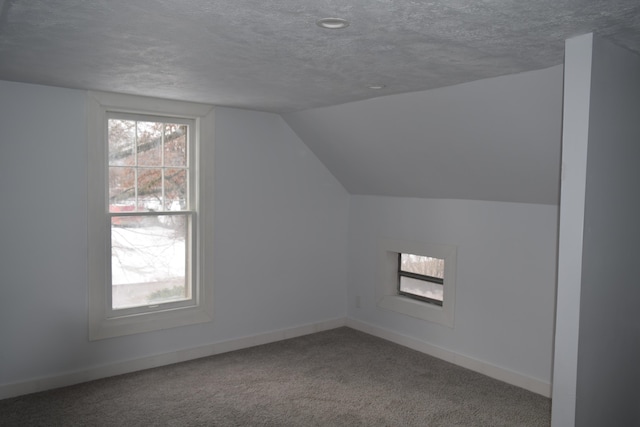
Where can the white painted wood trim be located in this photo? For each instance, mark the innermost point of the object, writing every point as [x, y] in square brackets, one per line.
[109, 370]
[101, 324]
[508, 376]
[104, 371]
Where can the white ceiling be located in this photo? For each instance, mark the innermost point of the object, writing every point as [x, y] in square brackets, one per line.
[269, 54]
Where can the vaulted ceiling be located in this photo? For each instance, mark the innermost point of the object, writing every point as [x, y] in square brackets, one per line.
[495, 139]
[435, 129]
[270, 55]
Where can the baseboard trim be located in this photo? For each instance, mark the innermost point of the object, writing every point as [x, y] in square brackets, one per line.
[119, 368]
[493, 371]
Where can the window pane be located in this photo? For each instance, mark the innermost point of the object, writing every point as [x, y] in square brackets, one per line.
[421, 288]
[121, 142]
[175, 189]
[175, 145]
[122, 191]
[149, 143]
[148, 260]
[427, 266]
[149, 189]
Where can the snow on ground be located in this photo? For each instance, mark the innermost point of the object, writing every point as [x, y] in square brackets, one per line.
[146, 259]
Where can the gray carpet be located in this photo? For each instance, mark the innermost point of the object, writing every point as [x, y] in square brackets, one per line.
[340, 377]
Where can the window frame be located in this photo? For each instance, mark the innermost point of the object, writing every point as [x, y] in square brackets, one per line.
[388, 293]
[103, 321]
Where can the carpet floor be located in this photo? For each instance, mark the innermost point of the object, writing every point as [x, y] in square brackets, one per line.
[340, 377]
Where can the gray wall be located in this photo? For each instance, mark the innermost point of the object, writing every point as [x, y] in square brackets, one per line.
[596, 373]
[505, 278]
[608, 381]
[280, 237]
[574, 164]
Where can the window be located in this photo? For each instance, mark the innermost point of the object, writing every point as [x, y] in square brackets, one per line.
[149, 214]
[421, 277]
[152, 212]
[417, 279]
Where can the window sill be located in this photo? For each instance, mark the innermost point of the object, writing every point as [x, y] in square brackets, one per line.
[101, 327]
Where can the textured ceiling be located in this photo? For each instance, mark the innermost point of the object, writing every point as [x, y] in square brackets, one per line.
[269, 54]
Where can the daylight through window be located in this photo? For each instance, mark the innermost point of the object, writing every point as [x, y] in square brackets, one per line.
[421, 277]
[149, 213]
[151, 208]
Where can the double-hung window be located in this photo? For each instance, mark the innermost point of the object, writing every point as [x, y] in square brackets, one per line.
[150, 213]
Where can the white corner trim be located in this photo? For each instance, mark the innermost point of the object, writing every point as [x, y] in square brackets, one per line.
[505, 375]
[119, 368]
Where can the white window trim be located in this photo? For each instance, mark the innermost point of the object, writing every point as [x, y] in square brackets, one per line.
[100, 325]
[387, 290]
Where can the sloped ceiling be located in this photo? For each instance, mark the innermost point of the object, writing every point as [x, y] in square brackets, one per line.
[269, 55]
[496, 139]
[473, 135]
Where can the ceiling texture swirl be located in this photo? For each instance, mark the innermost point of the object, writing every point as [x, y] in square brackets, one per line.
[270, 55]
[468, 93]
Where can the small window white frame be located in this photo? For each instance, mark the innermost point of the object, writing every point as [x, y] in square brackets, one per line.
[102, 322]
[387, 293]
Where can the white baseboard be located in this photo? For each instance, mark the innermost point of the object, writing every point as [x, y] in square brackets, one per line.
[104, 371]
[511, 377]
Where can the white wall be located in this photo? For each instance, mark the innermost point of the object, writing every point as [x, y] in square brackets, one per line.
[280, 237]
[608, 373]
[280, 227]
[505, 280]
[290, 243]
[495, 139]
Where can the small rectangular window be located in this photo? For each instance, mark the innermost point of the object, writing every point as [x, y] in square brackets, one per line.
[421, 277]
